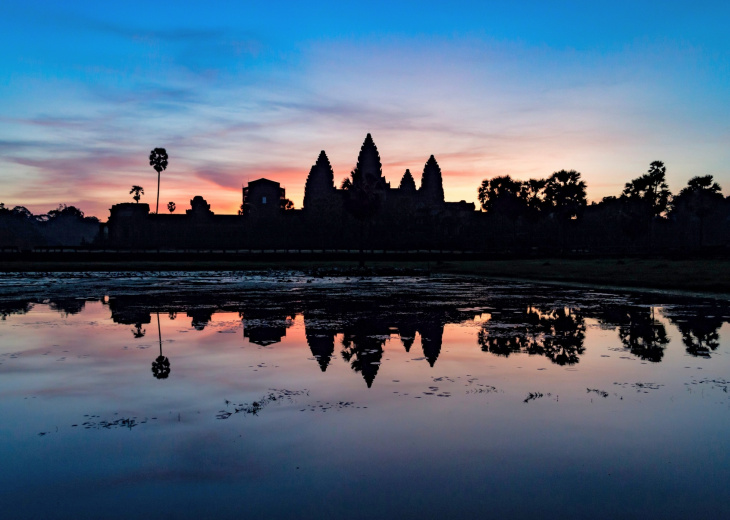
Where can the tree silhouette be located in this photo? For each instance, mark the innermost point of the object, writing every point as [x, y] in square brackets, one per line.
[557, 334]
[286, 204]
[161, 365]
[699, 331]
[138, 331]
[501, 195]
[644, 336]
[364, 195]
[651, 188]
[699, 199]
[532, 192]
[563, 335]
[64, 210]
[158, 160]
[565, 193]
[138, 192]
[171, 207]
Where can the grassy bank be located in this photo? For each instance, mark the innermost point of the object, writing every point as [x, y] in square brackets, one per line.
[701, 275]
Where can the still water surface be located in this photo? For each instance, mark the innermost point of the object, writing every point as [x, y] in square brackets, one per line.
[285, 395]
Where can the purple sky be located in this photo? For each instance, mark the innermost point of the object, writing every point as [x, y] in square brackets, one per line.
[238, 92]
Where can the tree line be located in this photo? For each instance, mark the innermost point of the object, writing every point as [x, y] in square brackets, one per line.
[64, 225]
[697, 216]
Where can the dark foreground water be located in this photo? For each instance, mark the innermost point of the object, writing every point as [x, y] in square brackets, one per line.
[283, 395]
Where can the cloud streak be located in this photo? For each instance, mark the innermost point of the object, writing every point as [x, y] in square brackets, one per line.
[231, 106]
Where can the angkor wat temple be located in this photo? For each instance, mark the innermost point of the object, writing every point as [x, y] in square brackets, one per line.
[365, 212]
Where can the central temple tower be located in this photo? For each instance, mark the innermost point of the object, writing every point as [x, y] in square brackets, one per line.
[369, 169]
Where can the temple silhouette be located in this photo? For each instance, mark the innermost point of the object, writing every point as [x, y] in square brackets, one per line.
[366, 211]
[369, 215]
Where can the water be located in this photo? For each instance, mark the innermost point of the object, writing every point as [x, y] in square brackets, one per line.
[285, 395]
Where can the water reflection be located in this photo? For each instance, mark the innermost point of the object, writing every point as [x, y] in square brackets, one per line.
[138, 332]
[67, 306]
[532, 324]
[556, 333]
[699, 329]
[264, 327]
[642, 334]
[278, 381]
[161, 365]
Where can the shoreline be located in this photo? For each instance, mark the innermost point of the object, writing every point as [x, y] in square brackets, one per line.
[705, 276]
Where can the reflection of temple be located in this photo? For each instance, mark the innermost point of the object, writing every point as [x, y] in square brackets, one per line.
[364, 338]
[263, 327]
[201, 316]
[555, 332]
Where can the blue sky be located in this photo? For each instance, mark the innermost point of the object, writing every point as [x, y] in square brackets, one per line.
[240, 90]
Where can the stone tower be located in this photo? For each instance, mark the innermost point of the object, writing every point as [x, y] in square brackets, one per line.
[432, 186]
[407, 184]
[320, 185]
[368, 164]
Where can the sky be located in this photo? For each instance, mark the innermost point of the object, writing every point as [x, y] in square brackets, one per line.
[236, 91]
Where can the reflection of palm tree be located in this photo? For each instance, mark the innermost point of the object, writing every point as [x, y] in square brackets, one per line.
[699, 334]
[138, 331]
[557, 334]
[644, 336]
[564, 335]
[501, 342]
[161, 365]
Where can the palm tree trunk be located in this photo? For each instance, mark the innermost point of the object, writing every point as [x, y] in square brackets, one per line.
[159, 332]
[157, 207]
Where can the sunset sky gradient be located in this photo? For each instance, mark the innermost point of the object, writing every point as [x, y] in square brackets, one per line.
[236, 91]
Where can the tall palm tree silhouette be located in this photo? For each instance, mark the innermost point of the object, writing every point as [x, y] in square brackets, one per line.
[161, 365]
[158, 160]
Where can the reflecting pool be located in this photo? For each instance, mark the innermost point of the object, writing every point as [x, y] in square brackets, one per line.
[308, 395]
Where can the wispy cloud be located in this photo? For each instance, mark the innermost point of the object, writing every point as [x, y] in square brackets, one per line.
[231, 105]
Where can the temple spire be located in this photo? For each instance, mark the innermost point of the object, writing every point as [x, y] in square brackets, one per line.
[320, 181]
[407, 184]
[368, 162]
[432, 186]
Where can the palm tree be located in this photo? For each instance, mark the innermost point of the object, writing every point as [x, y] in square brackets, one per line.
[651, 188]
[158, 160]
[138, 192]
[171, 207]
[565, 192]
[700, 198]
